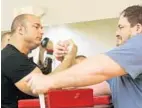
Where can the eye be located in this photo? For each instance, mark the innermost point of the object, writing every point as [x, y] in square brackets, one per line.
[121, 27]
[41, 27]
[36, 27]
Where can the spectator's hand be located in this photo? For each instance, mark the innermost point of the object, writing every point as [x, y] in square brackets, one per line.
[39, 83]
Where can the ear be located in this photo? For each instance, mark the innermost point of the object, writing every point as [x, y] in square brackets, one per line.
[21, 30]
[139, 28]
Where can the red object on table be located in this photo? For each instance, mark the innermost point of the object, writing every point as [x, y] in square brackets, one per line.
[70, 98]
[67, 98]
[102, 100]
[29, 103]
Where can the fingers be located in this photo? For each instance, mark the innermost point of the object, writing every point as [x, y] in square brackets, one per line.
[29, 81]
[28, 78]
[38, 83]
[60, 47]
[63, 44]
[31, 84]
[60, 50]
[37, 91]
[64, 48]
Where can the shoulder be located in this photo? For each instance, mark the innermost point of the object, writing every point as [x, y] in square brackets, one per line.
[134, 42]
[129, 56]
[132, 46]
[12, 58]
[8, 55]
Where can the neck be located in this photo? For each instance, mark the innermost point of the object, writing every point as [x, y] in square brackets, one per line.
[20, 44]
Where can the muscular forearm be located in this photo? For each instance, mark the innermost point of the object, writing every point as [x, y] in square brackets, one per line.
[24, 88]
[91, 71]
[22, 84]
[78, 79]
[66, 63]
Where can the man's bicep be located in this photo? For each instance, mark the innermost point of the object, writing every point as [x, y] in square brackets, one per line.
[107, 67]
[22, 84]
[128, 59]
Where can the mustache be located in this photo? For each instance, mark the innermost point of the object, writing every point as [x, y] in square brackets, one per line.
[119, 37]
[118, 40]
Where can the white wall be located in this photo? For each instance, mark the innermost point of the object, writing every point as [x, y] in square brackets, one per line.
[91, 37]
[66, 11]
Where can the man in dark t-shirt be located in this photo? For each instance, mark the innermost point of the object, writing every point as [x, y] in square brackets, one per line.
[15, 66]
[26, 34]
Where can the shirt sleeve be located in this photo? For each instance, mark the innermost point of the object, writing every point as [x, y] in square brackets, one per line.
[18, 66]
[129, 56]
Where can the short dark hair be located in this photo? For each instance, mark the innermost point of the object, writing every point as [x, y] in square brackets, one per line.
[19, 20]
[80, 56]
[4, 34]
[133, 14]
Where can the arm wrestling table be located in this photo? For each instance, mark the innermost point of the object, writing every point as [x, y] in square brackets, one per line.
[69, 98]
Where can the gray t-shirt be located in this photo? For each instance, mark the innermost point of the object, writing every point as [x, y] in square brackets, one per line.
[127, 89]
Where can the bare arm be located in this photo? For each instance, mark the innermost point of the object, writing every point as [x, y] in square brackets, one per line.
[91, 71]
[68, 60]
[22, 84]
[66, 63]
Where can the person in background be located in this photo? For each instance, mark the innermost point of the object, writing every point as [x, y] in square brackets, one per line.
[5, 37]
[79, 58]
[45, 55]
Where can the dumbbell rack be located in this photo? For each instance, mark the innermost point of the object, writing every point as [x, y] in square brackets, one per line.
[69, 98]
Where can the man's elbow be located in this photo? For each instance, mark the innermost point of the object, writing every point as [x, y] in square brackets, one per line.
[111, 73]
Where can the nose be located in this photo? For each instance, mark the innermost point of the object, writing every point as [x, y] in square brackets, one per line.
[117, 33]
[118, 36]
[41, 31]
